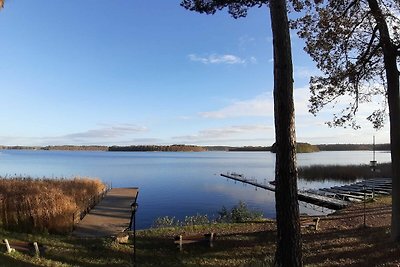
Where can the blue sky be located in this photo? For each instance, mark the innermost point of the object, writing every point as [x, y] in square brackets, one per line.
[147, 72]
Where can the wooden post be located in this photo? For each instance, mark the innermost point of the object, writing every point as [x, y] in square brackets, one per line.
[317, 224]
[9, 249]
[211, 240]
[180, 242]
[37, 251]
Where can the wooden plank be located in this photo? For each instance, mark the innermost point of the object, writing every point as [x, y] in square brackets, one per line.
[310, 222]
[181, 239]
[31, 247]
[345, 194]
[374, 184]
[322, 193]
[323, 201]
[368, 191]
[111, 216]
[304, 196]
[349, 191]
[383, 189]
[241, 178]
[352, 187]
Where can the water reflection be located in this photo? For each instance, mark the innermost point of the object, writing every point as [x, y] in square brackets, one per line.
[177, 184]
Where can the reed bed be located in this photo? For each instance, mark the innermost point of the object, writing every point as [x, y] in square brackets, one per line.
[344, 172]
[37, 205]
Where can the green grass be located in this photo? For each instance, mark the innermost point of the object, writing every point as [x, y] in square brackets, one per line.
[67, 251]
[341, 241]
[155, 247]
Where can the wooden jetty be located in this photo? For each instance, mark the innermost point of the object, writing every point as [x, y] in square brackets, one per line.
[241, 178]
[111, 216]
[336, 197]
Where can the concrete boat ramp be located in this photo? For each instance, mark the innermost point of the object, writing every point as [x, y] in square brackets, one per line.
[336, 197]
[111, 216]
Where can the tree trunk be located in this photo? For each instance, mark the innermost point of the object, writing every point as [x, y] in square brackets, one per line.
[392, 78]
[288, 252]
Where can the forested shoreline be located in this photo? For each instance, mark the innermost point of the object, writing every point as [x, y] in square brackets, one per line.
[301, 148]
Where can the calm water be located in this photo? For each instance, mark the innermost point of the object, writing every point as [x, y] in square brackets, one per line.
[176, 184]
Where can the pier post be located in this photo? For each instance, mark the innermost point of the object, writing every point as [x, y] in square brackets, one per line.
[37, 251]
[9, 249]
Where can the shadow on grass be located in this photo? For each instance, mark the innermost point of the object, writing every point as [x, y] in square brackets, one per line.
[6, 260]
[232, 249]
[357, 246]
[90, 252]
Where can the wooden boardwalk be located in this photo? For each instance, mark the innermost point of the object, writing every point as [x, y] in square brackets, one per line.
[111, 216]
[336, 197]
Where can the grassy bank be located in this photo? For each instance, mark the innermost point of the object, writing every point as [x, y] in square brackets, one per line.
[341, 241]
[45, 204]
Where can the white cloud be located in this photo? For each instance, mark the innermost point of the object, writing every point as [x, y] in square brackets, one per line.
[259, 106]
[221, 59]
[110, 131]
[245, 41]
[225, 133]
[105, 135]
[309, 128]
[301, 97]
[253, 60]
[303, 72]
[184, 118]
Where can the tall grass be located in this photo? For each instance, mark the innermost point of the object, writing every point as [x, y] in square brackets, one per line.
[37, 205]
[343, 172]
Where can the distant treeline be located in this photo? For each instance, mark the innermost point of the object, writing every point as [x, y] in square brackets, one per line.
[71, 147]
[171, 148]
[250, 148]
[347, 147]
[21, 147]
[301, 148]
[63, 147]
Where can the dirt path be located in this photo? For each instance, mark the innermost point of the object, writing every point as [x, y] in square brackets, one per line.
[111, 216]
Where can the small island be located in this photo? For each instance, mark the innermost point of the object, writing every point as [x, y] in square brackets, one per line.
[300, 148]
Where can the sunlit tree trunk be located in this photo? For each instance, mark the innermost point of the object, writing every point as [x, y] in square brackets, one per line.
[288, 251]
[392, 78]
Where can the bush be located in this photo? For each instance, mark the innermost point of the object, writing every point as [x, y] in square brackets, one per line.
[166, 221]
[198, 219]
[239, 213]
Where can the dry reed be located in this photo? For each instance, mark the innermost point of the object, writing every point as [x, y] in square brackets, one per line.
[343, 172]
[28, 204]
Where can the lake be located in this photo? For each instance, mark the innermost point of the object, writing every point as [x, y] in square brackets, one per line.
[177, 183]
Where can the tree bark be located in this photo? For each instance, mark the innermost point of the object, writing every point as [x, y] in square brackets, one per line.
[288, 252]
[392, 77]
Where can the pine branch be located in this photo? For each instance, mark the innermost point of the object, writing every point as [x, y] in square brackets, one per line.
[367, 55]
[349, 7]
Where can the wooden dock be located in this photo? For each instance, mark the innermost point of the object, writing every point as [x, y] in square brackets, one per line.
[336, 197]
[111, 216]
[241, 178]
